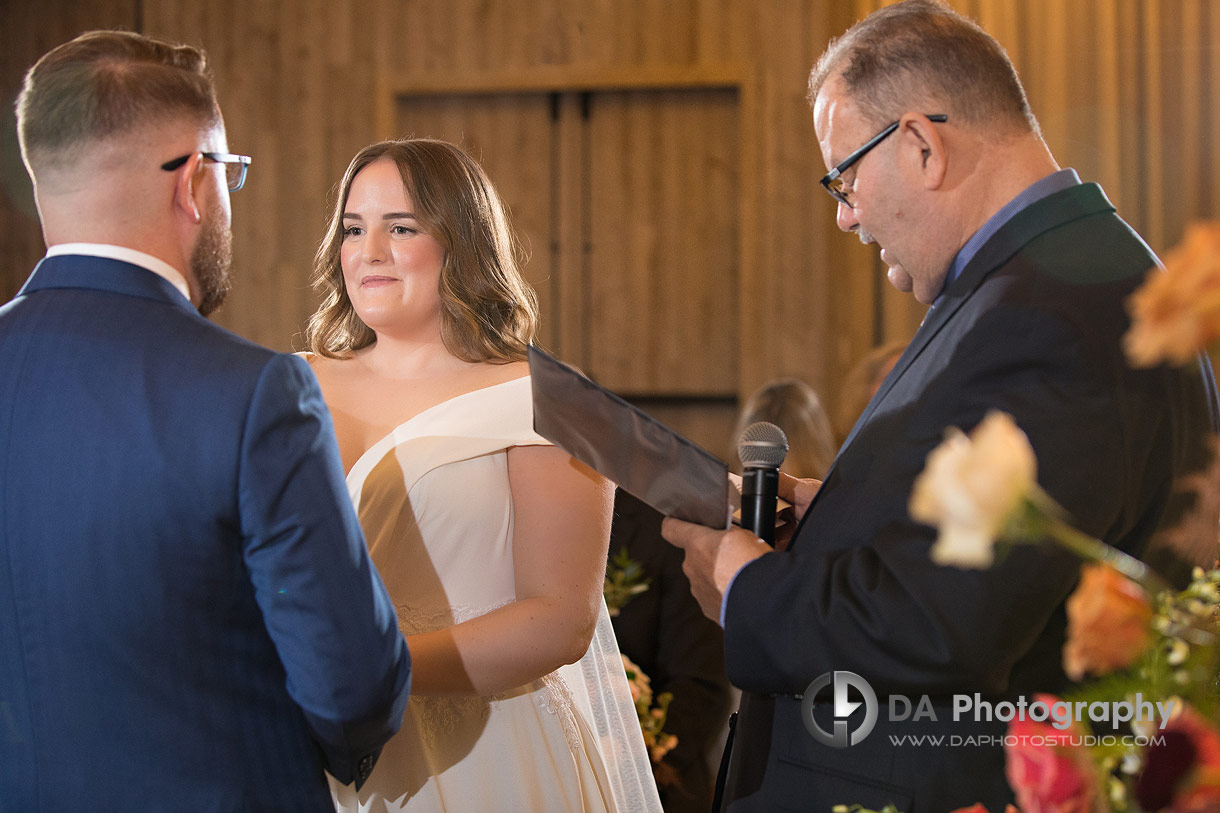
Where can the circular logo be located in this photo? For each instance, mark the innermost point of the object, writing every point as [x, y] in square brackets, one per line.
[843, 709]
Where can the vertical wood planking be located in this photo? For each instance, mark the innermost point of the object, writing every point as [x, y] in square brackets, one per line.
[1127, 90]
[510, 136]
[570, 283]
[664, 176]
[1154, 176]
[1190, 190]
[1211, 37]
[27, 32]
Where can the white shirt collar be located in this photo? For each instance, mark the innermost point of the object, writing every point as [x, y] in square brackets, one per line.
[127, 255]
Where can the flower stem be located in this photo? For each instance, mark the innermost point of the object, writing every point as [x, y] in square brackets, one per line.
[1086, 547]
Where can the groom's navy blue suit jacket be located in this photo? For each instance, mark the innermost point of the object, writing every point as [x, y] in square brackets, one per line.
[189, 619]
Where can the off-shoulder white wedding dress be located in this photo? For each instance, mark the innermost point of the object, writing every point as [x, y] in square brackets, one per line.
[433, 498]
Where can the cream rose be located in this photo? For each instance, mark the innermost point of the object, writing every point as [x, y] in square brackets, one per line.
[971, 486]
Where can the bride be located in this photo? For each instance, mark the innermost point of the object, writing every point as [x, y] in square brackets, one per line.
[491, 542]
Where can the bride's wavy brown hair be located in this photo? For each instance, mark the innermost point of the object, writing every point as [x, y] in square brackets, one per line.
[488, 311]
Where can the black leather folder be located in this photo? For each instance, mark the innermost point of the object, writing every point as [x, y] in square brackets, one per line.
[637, 452]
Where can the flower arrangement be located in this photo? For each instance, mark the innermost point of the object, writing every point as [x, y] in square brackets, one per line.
[652, 713]
[625, 580]
[1137, 638]
[1146, 642]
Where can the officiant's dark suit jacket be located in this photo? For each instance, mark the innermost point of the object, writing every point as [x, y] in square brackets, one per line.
[1033, 327]
[188, 617]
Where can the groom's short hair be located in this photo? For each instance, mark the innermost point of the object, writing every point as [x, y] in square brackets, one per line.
[107, 83]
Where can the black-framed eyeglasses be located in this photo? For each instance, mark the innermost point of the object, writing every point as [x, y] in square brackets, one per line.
[235, 166]
[833, 181]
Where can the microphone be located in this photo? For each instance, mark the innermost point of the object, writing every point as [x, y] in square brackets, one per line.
[762, 448]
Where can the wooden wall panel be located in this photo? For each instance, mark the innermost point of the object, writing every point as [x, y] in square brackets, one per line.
[662, 170]
[788, 304]
[1129, 100]
[27, 31]
[1129, 96]
[1211, 125]
[512, 136]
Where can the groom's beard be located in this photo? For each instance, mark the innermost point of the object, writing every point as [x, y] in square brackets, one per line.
[211, 259]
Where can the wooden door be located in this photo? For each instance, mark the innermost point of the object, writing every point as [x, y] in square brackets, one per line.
[627, 203]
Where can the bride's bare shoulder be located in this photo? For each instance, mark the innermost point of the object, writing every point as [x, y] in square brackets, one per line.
[486, 374]
[327, 368]
[499, 373]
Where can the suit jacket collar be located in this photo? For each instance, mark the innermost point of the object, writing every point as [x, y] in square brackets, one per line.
[1049, 213]
[103, 274]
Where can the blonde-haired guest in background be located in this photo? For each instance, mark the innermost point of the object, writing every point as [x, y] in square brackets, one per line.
[794, 407]
[492, 543]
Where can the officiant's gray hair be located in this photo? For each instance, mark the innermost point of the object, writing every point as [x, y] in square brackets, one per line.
[918, 55]
[488, 311]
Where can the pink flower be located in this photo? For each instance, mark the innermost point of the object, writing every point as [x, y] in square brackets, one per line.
[1047, 774]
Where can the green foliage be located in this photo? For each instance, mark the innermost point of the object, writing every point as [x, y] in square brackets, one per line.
[1181, 665]
[624, 581]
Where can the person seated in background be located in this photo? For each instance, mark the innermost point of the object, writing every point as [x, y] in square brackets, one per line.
[794, 407]
[663, 630]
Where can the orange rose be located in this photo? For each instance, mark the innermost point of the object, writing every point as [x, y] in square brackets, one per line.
[1176, 313]
[1108, 619]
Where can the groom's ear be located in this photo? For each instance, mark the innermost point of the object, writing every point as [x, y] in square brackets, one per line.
[186, 201]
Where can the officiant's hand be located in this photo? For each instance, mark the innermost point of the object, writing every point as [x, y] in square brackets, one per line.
[798, 492]
[712, 558]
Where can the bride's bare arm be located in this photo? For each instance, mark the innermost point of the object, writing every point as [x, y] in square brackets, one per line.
[561, 531]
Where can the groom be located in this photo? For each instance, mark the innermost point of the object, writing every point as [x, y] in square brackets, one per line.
[188, 616]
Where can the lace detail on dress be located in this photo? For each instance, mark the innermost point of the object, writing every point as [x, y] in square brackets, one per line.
[556, 698]
[439, 715]
[413, 620]
[436, 715]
